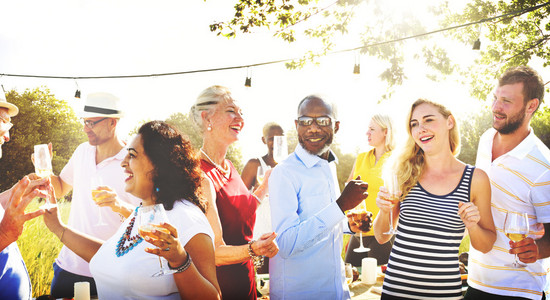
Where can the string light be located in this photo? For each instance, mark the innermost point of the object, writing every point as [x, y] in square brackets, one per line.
[357, 66]
[248, 80]
[477, 43]
[77, 93]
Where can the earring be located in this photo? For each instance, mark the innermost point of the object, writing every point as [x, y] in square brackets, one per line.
[209, 128]
[157, 190]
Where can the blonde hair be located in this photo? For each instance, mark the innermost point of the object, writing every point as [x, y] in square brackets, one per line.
[206, 101]
[386, 123]
[268, 126]
[409, 163]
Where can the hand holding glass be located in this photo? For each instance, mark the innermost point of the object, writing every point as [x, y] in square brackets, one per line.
[260, 173]
[359, 214]
[392, 184]
[43, 167]
[96, 183]
[516, 228]
[150, 217]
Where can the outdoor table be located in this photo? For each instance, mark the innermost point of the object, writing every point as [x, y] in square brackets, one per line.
[360, 290]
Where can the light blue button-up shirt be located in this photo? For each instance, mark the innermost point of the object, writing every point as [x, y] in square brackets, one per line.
[303, 190]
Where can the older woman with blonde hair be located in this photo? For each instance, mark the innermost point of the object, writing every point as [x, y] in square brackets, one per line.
[368, 165]
[232, 208]
[441, 197]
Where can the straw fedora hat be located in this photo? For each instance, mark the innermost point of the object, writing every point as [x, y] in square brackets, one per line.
[101, 105]
[12, 109]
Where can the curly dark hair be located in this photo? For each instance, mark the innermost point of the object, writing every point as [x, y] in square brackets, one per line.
[177, 173]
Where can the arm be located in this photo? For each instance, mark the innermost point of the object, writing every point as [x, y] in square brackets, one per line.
[108, 197]
[61, 187]
[249, 173]
[35, 182]
[477, 215]
[382, 220]
[228, 254]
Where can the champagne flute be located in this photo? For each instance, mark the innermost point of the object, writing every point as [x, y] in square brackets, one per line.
[280, 148]
[359, 213]
[150, 217]
[96, 183]
[260, 173]
[43, 167]
[516, 228]
[392, 184]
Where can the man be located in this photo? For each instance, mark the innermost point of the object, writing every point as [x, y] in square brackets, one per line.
[14, 278]
[97, 160]
[517, 163]
[307, 212]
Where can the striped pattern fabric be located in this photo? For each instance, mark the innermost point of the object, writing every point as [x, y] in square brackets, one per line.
[424, 259]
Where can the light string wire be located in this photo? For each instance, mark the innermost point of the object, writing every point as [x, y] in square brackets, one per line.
[514, 13]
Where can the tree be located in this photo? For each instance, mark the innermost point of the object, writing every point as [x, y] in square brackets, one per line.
[42, 119]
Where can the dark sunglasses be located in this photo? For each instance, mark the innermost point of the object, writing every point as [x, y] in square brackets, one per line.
[321, 121]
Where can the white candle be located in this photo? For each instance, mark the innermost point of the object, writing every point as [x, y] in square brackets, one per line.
[368, 270]
[81, 291]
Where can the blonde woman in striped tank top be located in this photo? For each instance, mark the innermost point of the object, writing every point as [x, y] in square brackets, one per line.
[441, 197]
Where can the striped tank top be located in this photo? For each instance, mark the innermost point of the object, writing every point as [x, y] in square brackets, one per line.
[423, 262]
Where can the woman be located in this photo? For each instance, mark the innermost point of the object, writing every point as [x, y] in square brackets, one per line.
[163, 169]
[441, 197]
[231, 207]
[369, 166]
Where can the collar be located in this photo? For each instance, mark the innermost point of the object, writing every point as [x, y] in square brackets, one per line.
[523, 148]
[310, 160]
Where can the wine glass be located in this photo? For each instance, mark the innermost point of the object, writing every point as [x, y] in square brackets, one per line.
[150, 217]
[96, 183]
[392, 184]
[359, 213]
[260, 173]
[516, 228]
[43, 167]
[349, 273]
[280, 148]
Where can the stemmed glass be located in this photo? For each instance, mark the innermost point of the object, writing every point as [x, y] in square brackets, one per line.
[359, 213]
[96, 183]
[516, 227]
[43, 167]
[150, 217]
[260, 173]
[280, 148]
[392, 185]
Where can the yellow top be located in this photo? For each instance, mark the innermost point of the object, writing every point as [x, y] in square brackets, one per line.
[371, 173]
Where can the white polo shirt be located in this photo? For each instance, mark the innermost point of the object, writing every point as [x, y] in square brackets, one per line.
[79, 172]
[520, 182]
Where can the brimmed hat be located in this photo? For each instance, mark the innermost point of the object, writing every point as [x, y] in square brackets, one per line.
[101, 105]
[12, 109]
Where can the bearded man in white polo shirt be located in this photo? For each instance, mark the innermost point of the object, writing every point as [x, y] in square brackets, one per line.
[96, 162]
[517, 163]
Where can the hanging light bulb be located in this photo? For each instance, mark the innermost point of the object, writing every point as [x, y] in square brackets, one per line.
[357, 66]
[248, 80]
[77, 93]
[477, 43]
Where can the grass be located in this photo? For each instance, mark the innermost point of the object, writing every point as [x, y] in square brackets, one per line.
[39, 248]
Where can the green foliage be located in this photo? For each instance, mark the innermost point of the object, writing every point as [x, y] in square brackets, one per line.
[541, 125]
[42, 119]
[471, 130]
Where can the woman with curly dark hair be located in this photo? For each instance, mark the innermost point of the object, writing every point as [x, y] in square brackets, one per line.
[163, 169]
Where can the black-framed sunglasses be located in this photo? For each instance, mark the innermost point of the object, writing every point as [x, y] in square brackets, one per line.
[321, 121]
[90, 124]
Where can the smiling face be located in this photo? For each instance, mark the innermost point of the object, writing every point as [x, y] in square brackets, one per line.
[429, 128]
[314, 138]
[376, 135]
[226, 121]
[509, 108]
[140, 170]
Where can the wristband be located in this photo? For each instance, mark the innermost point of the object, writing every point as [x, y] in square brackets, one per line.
[186, 264]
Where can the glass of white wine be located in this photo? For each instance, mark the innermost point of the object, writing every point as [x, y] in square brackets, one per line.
[260, 173]
[280, 148]
[150, 217]
[43, 167]
[96, 183]
[392, 184]
[516, 228]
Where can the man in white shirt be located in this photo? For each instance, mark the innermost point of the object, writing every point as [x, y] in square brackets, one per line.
[307, 211]
[94, 163]
[518, 164]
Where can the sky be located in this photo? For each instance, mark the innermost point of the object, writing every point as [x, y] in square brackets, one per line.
[119, 37]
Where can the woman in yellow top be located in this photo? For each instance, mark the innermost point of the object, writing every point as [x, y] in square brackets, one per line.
[369, 165]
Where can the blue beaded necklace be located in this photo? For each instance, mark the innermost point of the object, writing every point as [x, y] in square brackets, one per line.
[133, 241]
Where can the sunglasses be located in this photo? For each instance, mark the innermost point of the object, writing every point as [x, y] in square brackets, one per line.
[321, 121]
[90, 124]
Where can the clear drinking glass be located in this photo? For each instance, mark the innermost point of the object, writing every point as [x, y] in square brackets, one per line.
[516, 228]
[96, 183]
[280, 148]
[260, 173]
[358, 214]
[43, 168]
[349, 273]
[392, 185]
[150, 217]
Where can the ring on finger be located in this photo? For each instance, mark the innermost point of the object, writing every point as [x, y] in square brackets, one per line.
[166, 249]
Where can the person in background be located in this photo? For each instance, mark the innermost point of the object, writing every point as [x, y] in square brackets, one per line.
[231, 207]
[161, 167]
[517, 163]
[368, 165]
[96, 160]
[441, 198]
[249, 176]
[14, 278]
[307, 211]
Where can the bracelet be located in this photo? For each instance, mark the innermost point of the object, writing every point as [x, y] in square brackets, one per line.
[258, 260]
[257, 198]
[62, 233]
[186, 264]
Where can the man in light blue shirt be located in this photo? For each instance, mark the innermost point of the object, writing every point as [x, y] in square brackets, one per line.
[307, 211]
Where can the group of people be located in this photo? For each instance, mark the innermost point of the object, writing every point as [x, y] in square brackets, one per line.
[224, 226]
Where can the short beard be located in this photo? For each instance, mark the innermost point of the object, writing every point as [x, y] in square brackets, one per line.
[321, 151]
[514, 123]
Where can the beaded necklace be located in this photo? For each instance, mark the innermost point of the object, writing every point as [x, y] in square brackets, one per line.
[133, 241]
[224, 171]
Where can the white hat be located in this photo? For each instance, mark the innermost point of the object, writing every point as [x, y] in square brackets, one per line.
[101, 105]
[12, 109]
